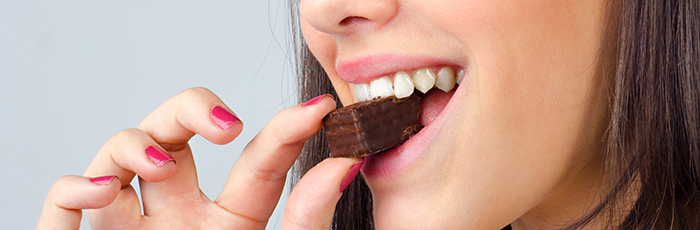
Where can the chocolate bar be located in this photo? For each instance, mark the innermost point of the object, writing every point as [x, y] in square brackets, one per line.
[370, 127]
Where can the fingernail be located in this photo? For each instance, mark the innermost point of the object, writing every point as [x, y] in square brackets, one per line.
[354, 169]
[316, 100]
[103, 180]
[224, 119]
[158, 157]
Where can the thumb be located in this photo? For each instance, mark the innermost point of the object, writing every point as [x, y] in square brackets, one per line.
[312, 202]
[70, 194]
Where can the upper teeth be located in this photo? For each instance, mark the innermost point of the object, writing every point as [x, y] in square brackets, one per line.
[380, 87]
[445, 79]
[403, 85]
[424, 79]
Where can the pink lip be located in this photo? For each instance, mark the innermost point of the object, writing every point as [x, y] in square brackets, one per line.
[366, 69]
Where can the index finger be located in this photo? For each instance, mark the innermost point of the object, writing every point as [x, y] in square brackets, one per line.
[257, 178]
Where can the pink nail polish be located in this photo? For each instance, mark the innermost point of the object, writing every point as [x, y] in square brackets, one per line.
[354, 169]
[103, 180]
[316, 100]
[157, 156]
[223, 118]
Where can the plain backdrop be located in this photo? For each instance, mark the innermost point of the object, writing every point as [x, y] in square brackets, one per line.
[73, 73]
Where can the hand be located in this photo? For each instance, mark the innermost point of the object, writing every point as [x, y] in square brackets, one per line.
[158, 152]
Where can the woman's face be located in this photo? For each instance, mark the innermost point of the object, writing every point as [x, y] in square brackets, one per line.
[516, 140]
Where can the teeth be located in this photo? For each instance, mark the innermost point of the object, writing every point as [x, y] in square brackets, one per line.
[381, 87]
[445, 79]
[362, 92]
[424, 79]
[460, 75]
[403, 85]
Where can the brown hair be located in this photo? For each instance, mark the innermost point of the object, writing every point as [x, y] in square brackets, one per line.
[650, 55]
[652, 145]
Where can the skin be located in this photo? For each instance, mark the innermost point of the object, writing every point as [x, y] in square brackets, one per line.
[170, 192]
[520, 146]
[523, 143]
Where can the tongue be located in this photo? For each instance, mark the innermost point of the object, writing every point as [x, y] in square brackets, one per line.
[432, 103]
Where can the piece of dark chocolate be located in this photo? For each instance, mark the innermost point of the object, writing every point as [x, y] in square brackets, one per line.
[370, 127]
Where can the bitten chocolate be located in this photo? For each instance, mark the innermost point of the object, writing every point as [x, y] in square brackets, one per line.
[370, 127]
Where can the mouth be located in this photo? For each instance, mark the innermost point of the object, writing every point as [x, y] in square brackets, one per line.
[436, 86]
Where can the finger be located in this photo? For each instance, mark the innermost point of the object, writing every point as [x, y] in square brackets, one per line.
[127, 153]
[70, 194]
[256, 180]
[190, 112]
[172, 124]
[130, 152]
[312, 202]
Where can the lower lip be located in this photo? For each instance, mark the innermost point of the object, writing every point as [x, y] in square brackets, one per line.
[396, 160]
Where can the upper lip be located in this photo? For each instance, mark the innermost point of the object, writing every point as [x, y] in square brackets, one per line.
[368, 68]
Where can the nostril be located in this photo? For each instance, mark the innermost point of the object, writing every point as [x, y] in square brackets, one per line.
[347, 16]
[352, 20]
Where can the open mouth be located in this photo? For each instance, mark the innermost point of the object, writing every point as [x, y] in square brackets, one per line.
[435, 86]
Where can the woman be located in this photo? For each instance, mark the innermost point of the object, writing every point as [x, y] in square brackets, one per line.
[569, 114]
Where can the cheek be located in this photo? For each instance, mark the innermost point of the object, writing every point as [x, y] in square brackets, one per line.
[324, 50]
[532, 62]
[321, 45]
[533, 83]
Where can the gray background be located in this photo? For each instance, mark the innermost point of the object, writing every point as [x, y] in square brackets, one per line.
[73, 73]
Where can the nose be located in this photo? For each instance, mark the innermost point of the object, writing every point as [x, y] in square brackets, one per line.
[345, 16]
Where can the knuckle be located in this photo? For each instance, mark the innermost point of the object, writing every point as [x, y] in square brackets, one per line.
[57, 194]
[268, 175]
[131, 135]
[62, 181]
[126, 134]
[285, 136]
[288, 134]
[295, 221]
[196, 93]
